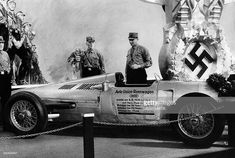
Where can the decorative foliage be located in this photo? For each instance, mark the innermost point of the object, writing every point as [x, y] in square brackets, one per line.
[219, 83]
[195, 23]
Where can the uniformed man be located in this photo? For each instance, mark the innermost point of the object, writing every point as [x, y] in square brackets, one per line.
[231, 114]
[138, 59]
[91, 61]
[5, 77]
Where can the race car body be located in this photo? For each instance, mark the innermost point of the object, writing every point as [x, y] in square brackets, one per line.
[113, 101]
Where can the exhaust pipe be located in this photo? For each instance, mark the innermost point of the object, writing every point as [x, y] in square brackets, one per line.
[53, 116]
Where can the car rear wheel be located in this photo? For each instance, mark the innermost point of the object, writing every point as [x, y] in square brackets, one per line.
[26, 114]
[195, 124]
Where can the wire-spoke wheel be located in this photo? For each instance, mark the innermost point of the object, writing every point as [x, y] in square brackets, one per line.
[196, 124]
[25, 113]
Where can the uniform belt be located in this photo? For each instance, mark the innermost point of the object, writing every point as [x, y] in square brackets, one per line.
[91, 68]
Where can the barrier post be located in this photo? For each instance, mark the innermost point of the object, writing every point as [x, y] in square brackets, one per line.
[231, 130]
[88, 138]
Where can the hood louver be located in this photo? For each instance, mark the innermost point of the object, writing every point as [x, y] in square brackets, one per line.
[68, 86]
[87, 86]
[84, 86]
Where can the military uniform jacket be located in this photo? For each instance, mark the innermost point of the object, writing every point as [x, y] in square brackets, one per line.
[92, 59]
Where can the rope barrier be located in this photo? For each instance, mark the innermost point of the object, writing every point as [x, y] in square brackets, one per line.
[102, 123]
[41, 133]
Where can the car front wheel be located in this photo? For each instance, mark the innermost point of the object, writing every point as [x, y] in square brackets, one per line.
[26, 114]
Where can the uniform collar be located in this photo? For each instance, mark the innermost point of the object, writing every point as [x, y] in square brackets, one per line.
[135, 46]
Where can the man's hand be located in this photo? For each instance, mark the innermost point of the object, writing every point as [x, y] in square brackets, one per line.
[78, 58]
[135, 66]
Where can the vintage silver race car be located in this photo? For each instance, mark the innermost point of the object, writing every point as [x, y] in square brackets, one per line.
[189, 106]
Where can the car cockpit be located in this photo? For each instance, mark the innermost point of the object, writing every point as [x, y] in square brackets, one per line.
[121, 83]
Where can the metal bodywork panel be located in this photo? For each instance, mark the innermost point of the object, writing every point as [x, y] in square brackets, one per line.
[179, 89]
[127, 104]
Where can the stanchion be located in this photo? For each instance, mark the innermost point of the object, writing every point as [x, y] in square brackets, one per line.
[88, 138]
[231, 130]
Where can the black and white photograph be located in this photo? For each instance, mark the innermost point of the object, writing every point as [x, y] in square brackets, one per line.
[117, 78]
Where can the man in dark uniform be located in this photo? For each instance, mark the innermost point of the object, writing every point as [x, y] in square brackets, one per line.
[231, 114]
[5, 77]
[91, 61]
[138, 58]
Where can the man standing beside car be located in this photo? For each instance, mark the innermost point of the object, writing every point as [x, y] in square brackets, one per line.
[90, 61]
[138, 59]
[5, 77]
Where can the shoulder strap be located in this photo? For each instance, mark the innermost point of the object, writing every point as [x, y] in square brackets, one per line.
[87, 58]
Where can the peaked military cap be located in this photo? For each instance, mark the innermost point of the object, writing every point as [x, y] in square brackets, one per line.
[133, 35]
[90, 39]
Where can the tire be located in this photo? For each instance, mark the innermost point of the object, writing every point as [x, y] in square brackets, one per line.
[25, 114]
[194, 125]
